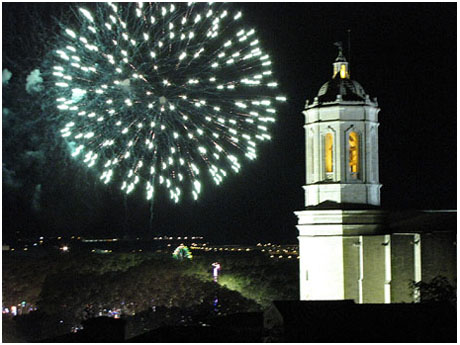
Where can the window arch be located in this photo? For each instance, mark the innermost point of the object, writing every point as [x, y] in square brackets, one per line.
[353, 153]
[329, 153]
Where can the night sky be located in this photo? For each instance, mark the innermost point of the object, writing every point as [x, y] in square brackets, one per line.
[403, 54]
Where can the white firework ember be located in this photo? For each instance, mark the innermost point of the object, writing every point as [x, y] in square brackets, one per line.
[157, 94]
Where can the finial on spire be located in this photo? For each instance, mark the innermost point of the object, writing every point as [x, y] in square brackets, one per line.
[340, 57]
[339, 45]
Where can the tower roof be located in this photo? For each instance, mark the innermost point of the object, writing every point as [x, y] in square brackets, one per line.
[340, 84]
[349, 89]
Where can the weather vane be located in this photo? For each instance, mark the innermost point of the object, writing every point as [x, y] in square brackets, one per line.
[339, 45]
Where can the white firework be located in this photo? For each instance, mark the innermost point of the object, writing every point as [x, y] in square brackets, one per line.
[157, 94]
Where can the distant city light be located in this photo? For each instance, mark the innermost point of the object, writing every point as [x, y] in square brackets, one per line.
[270, 250]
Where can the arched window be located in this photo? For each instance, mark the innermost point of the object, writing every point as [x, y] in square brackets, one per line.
[353, 155]
[328, 153]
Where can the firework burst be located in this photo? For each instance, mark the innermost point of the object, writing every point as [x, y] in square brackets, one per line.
[158, 94]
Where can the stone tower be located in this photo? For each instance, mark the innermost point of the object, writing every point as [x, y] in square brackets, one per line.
[344, 253]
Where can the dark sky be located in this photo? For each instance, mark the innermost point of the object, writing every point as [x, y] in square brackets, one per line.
[403, 54]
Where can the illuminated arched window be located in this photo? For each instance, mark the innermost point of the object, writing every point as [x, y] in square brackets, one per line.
[343, 71]
[353, 144]
[328, 152]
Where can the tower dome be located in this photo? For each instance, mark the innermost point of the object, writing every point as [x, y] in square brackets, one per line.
[340, 86]
[349, 90]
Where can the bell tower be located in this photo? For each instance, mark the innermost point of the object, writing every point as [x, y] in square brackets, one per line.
[341, 230]
[341, 132]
